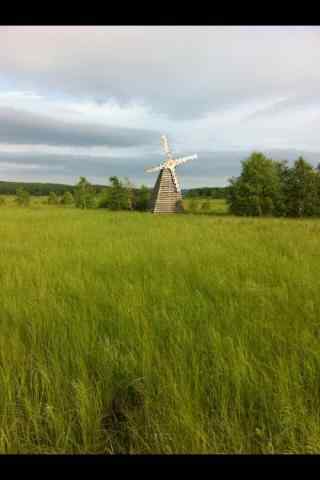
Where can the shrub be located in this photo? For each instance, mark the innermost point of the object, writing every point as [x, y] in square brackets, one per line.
[23, 197]
[193, 205]
[117, 196]
[142, 198]
[53, 199]
[67, 198]
[206, 206]
[84, 194]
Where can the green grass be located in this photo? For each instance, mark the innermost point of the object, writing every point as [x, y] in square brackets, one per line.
[206, 206]
[35, 201]
[128, 332]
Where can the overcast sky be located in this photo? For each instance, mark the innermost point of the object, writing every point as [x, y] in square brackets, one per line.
[94, 101]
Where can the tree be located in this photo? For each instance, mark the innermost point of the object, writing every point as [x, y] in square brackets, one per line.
[301, 188]
[23, 197]
[53, 199]
[257, 191]
[117, 196]
[142, 198]
[67, 198]
[128, 186]
[208, 192]
[84, 194]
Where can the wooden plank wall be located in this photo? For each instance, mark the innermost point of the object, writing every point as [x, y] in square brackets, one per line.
[165, 197]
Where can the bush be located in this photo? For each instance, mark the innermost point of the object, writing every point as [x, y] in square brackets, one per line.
[23, 197]
[117, 196]
[193, 205]
[67, 198]
[84, 195]
[142, 199]
[206, 206]
[53, 199]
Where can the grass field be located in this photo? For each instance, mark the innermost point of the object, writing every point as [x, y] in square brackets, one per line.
[133, 333]
[207, 206]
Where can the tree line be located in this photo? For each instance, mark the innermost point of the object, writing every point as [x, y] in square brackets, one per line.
[206, 192]
[118, 195]
[39, 189]
[267, 187]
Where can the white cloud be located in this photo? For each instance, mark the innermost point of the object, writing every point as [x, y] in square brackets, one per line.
[209, 88]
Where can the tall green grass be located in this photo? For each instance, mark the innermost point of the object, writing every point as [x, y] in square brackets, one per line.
[206, 205]
[128, 332]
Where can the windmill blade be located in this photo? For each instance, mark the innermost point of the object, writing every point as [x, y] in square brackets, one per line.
[165, 144]
[174, 176]
[181, 160]
[153, 169]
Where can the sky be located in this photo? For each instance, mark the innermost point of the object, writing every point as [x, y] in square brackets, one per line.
[94, 100]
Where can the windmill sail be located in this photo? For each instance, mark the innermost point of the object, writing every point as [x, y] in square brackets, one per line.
[166, 147]
[153, 169]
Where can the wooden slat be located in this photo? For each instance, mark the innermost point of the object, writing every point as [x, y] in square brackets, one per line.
[165, 197]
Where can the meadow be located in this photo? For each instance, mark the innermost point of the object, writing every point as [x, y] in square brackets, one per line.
[206, 206]
[126, 332]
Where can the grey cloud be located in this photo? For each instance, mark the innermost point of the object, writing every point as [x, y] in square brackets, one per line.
[182, 71]
[20, 127]
[211, 168]
[289, 105]
[72, 165]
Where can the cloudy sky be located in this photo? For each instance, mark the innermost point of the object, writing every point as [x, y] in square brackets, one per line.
[94, 101]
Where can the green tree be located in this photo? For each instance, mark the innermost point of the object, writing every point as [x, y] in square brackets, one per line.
[53, 199]
[67, 198]
[22, 197]
[257, 191]
[142, 198]
[128, 186]
[117, 196]
[301, 186]
[84, 194]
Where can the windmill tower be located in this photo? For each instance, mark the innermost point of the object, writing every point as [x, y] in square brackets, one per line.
[166, 196]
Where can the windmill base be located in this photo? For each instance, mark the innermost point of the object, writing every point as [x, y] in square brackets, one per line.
[165, 196]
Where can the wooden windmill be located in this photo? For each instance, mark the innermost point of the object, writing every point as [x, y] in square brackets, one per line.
[166, 196]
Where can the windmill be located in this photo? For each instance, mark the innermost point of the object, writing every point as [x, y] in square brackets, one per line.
[166, 196]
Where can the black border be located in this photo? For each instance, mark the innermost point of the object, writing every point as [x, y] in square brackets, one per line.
[191, 462]
[160, 14]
